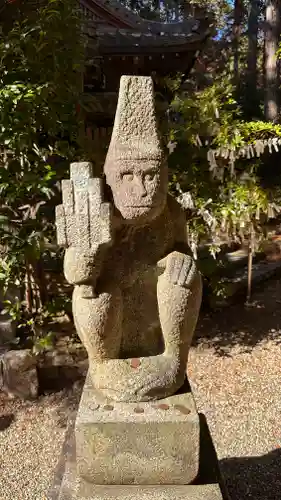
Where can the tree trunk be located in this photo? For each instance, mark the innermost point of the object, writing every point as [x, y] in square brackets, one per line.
[279, 61]
[238, 17]
[271, 38]
[251, 104]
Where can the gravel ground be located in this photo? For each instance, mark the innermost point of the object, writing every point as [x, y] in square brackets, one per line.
[234, 370]
[31, 437]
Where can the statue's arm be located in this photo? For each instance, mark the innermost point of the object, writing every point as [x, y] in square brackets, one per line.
[179, 265]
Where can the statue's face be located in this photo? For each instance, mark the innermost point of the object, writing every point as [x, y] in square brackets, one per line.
[139, 188]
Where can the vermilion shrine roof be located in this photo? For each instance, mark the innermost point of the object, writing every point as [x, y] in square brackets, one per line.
[121, 31]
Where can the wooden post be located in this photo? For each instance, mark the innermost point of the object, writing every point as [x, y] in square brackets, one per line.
[250, 264]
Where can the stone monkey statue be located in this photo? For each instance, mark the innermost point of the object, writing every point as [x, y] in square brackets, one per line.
[137, 292]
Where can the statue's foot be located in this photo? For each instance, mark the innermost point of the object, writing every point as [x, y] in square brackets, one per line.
[138, 379]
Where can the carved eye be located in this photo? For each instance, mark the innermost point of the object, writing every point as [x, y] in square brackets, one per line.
[149, 176]
[127, 176]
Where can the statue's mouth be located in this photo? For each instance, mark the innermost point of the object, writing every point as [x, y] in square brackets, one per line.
[139, 206]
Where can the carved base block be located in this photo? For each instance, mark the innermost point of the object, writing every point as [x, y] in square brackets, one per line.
[144, 443]
[121, 435]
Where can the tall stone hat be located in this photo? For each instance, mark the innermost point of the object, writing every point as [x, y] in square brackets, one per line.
[135, 134]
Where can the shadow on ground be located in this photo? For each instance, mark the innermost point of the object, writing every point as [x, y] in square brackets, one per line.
[68, 407]
[243, 326]
[6, 421]
[255, 478]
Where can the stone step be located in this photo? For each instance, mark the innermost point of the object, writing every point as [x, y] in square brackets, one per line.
[200, 492]
[262, 271]
[75, 488]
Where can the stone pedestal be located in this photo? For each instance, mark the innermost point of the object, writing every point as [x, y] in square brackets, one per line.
[126, 451]
[129, 443]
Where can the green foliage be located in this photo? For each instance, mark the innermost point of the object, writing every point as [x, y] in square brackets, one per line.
[41, 67]
[44, 343]
[40, 71]
[214, 164]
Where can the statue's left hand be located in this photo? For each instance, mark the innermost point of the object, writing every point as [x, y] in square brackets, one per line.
[178, 268]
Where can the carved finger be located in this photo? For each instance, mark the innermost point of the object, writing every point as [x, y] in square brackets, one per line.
[69, 210]
[82, 233]
[80, 173]
[61, 226]
[95, 201]
[191, 273]
[184, 273]
[106, 222]
[67, 196]
[176, 264]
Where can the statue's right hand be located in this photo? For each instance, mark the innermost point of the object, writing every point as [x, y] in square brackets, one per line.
[82, 267]
[84, 225]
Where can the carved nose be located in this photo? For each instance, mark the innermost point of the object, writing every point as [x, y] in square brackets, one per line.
[141, 187]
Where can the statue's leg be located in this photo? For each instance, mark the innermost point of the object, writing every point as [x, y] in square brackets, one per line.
[99, 324]
[98, 321]
[178, 313]
[156, 377]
